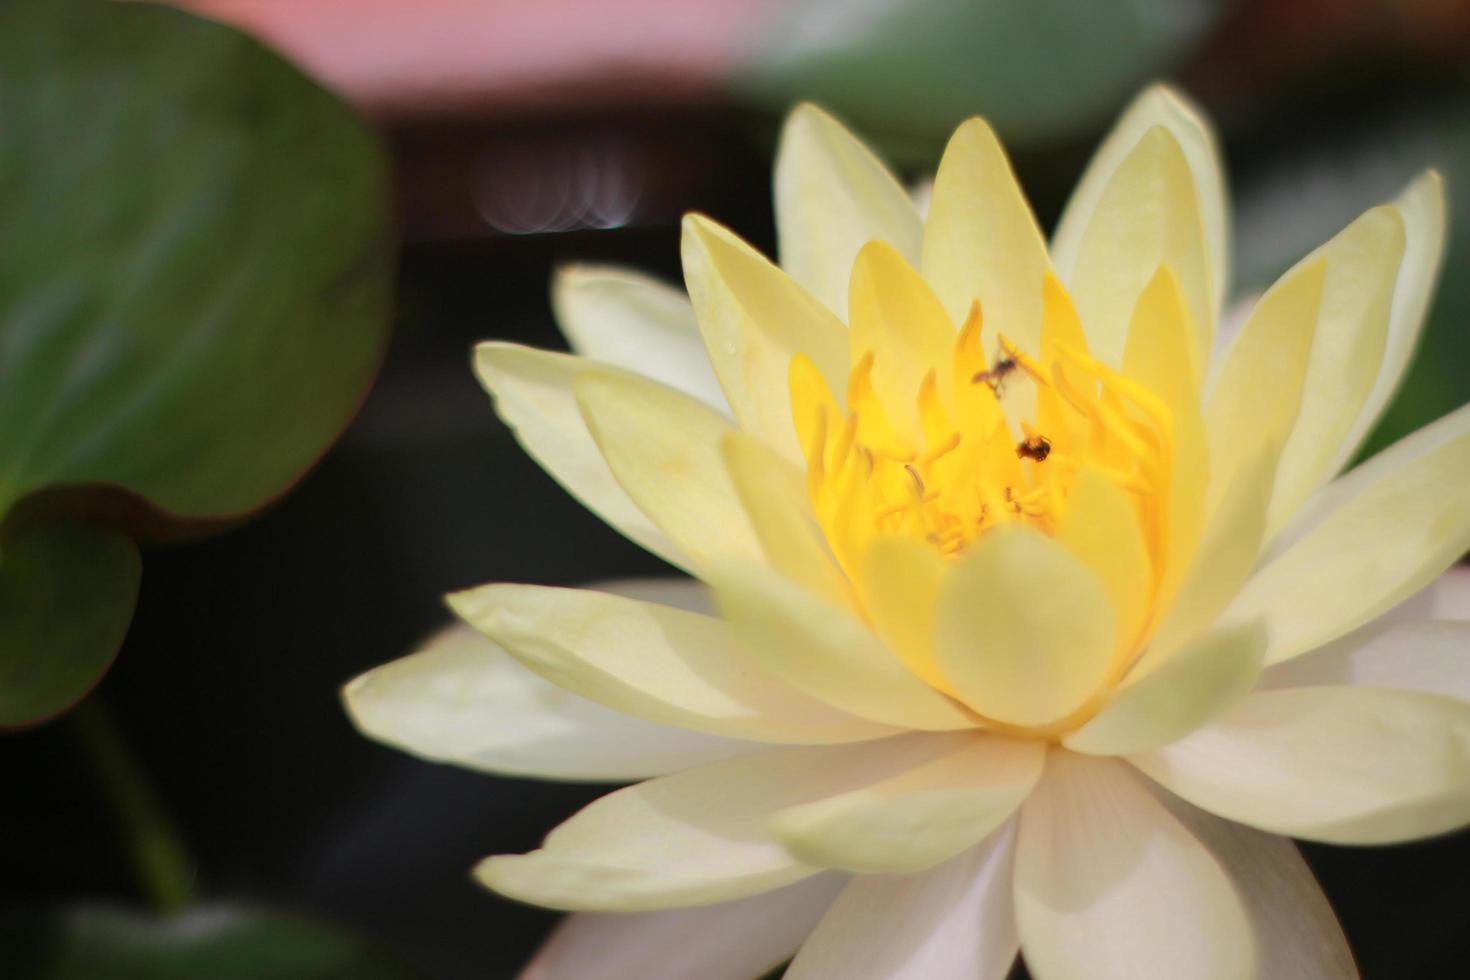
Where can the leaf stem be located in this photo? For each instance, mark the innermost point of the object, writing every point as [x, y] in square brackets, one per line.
[159, 859]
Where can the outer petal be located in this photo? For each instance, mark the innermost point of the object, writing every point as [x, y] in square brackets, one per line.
[1163, 107]
[921, 817]
[533, 395]
[827, 652]
[625, 317]
[1110, 885]
[1422, 207]
[696, 837]
[1199, 683]
[1362, 263]
[1024, 632]
[981, 240]
[736, 940]
[1379, 534]
[664, 449]
[833, 196]
[754, 318]
[463, 700]
[954, 920]
[1431, 656]
[1297, 933]
[654, 662]
[1347, 765]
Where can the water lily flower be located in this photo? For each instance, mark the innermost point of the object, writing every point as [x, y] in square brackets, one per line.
[1042, 616]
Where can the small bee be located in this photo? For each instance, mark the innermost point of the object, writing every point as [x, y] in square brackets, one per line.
[1034, 447]
[997, 375]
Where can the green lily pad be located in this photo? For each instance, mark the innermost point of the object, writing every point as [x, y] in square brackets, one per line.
[99, 943]
[195, 276]
[194, 271]
[66, 598]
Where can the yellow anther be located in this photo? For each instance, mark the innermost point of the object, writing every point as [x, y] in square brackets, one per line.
[943, 449]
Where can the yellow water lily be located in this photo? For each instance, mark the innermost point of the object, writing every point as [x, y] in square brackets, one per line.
[1042, 615]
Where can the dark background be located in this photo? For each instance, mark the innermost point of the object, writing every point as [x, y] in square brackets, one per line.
[227, 687]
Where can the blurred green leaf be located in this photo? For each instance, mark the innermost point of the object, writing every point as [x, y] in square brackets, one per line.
[194, 274]
[97, 943]
[907, 71]
[66, 597]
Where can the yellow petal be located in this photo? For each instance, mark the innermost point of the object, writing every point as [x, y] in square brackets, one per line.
[625, 317]
[1147, 215]
[1164, 107]
[664, 449]
[1422, 208]
[1362, 263]
[1025, 632]
[1204, 679]
[901, 583]
[754, 319]
[896, 317]
[695, 837]
[954, 920]
[1259, 392]
[919, 818]
[1110, 886]
[533, 395]
[463, 700]
[1101, 528]
[981, 242]
[1346, 765]
[654, 662]
[1375, 537]
[826, 651]
[833, 196]
[775, 499]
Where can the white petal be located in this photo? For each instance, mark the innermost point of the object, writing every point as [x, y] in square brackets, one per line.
[921, 817]
[833, 196]
[954, 920]
[654, 662]
[1110, 885]
[1376, 536]
[625, 317]
[533, 395]
[1205, 678]
[1157, 106]
[1349, 765]
[1432, 656]
[1422, 206]
[696, 837]
[1297, 933]
[463, 700]
[730, 941]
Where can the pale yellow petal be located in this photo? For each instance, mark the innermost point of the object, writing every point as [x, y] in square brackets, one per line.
[754, 318]
[1101, 528]
[1362, 263]
[1198, 683]
[1422, 208]
[1164, 107]
[981, 242]
[954, 920]
[665, 450]
[534, 397]
[1110, 886]
[1378, 535]
[775, 499]
[1147, 215]
[921, 817]
[463, 700]
[833, 196]
[696, 837]
[1259, 392]
[1345, 765]
[1430, 655]
[1025, 631]
[630, 319]
[827, 651]
[654, 662]
[901, 584]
